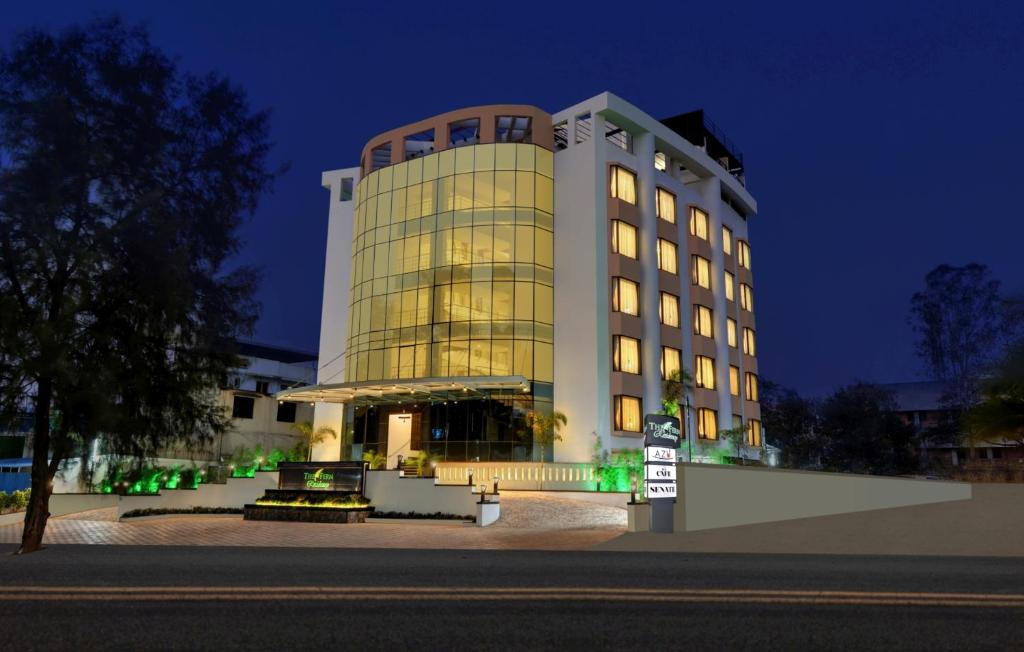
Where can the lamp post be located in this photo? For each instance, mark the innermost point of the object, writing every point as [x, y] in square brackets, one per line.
[687, 428]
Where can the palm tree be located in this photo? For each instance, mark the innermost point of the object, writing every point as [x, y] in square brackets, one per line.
[375, 459]
[674, 390]
[545, 430]
[313, 437]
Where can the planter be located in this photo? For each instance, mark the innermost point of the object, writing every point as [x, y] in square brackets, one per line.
[487, 512]
[306, 514]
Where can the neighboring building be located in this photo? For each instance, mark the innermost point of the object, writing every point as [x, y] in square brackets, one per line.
[919, 404]
[499, 259]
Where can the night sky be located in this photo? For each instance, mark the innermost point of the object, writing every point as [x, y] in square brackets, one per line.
[881, 139]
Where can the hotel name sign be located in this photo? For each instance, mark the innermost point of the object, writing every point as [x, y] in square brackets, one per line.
[661, 439]
[321, 476]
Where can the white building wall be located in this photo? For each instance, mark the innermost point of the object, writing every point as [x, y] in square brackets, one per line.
[334, 315]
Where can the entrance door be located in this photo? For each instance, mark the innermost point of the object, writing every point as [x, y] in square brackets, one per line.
[399, 437]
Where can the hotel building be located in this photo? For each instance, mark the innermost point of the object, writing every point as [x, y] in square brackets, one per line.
[497, 260]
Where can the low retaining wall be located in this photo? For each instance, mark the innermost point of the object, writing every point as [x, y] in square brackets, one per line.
[561, 476]
[62, 504]
[390, 493]
[236, 492]
[712, 496]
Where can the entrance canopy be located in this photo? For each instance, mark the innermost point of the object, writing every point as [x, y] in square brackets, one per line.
[375, 392]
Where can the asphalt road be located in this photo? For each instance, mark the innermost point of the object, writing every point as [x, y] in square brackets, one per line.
[127, 598]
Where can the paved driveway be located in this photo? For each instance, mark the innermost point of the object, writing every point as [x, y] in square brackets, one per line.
[530, 521]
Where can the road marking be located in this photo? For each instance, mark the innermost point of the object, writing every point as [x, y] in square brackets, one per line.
[455, 594]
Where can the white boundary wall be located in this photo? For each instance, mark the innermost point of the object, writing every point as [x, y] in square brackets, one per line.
[712, 496]
[390, 493]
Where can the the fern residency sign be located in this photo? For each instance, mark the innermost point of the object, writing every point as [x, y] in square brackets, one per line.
[321, 476]
[661, 439]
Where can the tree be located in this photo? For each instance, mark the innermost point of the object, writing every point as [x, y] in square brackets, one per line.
[864, 434]
[313, 436]
[545, 430]
[123, 183]
[375, 459]
[674, 390]
[962, 324]
[737, 438]
[792, 422]
[999, 417]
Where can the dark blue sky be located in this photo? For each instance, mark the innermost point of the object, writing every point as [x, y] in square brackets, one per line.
[881, 139]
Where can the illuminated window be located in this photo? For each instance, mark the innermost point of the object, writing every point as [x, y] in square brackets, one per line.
[700, 271]
[624, 239]
[746, 297]
[660, 161]
[623, 184]
[753, 433]
[743, 251]
[750, 386]
[627, 413]
[734, 380]
[668, 311]
[704, 372]
[666, 206]
[707, 423]
[625, 296]
[667, 261]
[730, 283]
[748, 341]
[727, 240]
[671, 361]
[698, 223]
[730, 331]
[703, 321]
[625, 354]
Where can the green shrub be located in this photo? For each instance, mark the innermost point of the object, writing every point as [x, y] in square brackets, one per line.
[15, 501]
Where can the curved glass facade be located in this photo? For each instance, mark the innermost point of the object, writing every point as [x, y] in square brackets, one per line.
[453, 266]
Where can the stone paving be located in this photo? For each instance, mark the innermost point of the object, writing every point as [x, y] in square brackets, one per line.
[532, 521]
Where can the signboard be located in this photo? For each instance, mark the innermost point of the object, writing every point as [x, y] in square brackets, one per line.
[659, 454]
[660, 472]
[657, 490]
[321, 476]
[661, 430]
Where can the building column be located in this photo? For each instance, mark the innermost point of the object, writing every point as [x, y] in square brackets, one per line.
[643, 145]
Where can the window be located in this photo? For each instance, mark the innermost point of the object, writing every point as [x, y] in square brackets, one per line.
[748, 341]
[464, 132]
[286, 412]
[627, 411]
[625, 354]
[666, 206]
[703, 321]
[419, 144]
[623, 185]
[583, 127]
[380, 156]
[730, 331]
[242, 407]
[700, 271]
[734, 380]
[346, 189]
[625, 296]
[671, 361]
[698, 223]
[660, 161]
[668, 311]
[727, 240]
[704, 372]
[263, 386]
[618, 136]
[513, 129]
[707, 423]
[743, 251]
[753, 433]
[750, 386]
[667, 261]
[624, 239]
[746, 297]
[561, 135]
[730, 283]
